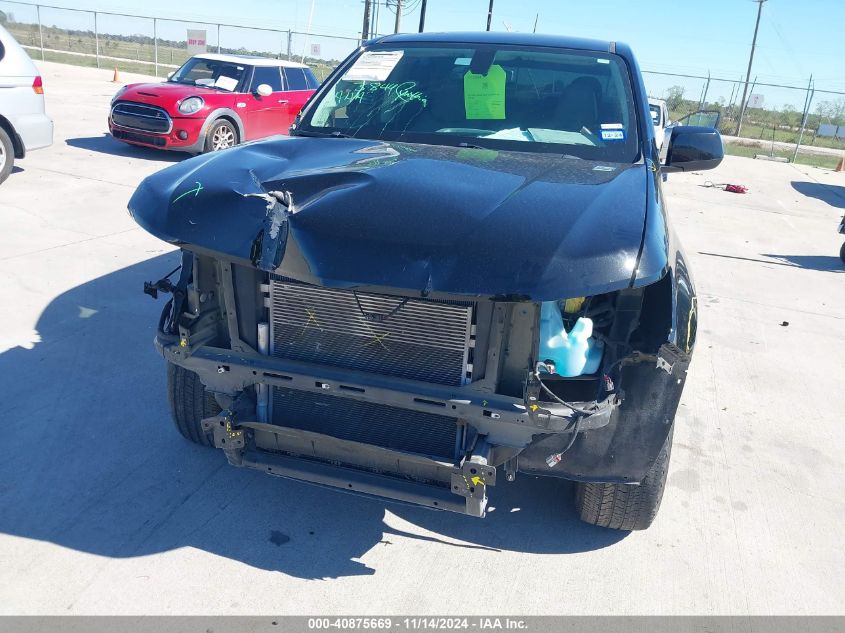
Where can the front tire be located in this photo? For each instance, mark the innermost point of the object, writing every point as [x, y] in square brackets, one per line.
[7, 155]
[625, 506]
[221, 135]
[189, 404]
[842, 252]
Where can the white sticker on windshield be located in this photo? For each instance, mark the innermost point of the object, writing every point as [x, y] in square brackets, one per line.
[613, 135]
[612, 126]
[373, 66]
[227, 83]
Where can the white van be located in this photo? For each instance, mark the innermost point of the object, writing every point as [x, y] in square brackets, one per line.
[24, 126]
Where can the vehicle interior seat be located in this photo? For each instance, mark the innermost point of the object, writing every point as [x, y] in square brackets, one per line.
[578, 106]
[444, 108]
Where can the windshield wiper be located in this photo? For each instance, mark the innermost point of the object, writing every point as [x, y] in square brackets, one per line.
[471, 146]
[334, 134]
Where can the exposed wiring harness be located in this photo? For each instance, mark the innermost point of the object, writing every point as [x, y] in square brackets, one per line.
[555, 458]
[537, 368]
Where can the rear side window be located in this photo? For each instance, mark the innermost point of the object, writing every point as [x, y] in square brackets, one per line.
[296, 79]
[269, 75]
[313, 82]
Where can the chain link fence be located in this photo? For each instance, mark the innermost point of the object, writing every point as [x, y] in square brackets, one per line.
[799, 123]
[153, 45]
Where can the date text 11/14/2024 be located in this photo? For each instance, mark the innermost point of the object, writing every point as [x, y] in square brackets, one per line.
[418, 623]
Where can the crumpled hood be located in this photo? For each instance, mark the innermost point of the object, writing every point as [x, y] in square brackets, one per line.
[414, 217]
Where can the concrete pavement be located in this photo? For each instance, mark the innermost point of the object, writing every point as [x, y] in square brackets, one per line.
[104, 509]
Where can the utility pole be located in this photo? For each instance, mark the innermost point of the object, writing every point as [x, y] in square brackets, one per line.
[807, 102]
[422, 16]
[365, 30]
[398, 15]
[374, 22]
[750, 62]
[490, 15]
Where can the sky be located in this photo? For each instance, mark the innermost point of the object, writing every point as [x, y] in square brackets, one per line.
[796, 38]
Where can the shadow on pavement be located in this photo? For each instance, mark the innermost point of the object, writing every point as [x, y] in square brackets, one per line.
[811, 262]
[105, 144]
[91, 462]
[834, 195]
[823, 263]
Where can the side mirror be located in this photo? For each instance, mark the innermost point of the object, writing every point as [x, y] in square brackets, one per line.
[691, 148]
[263, 90]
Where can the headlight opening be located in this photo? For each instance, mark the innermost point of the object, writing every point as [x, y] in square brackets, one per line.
[191, 105]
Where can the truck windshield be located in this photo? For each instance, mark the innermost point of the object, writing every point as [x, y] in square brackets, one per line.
[499, 97]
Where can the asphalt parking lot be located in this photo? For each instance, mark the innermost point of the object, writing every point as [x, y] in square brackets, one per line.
[104, 509]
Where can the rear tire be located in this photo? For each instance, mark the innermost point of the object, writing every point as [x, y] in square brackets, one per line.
[221, 135]
[842, 252]
[7, 155]
[625, 506]
[189, 404]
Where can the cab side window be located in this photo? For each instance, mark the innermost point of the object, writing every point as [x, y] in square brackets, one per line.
[296, 79]
[269, 75]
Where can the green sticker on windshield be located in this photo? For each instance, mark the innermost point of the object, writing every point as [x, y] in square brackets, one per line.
[484, 95]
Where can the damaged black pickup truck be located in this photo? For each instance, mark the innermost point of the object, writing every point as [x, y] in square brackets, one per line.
[458, 268]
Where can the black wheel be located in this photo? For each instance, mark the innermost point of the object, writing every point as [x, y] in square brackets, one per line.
[221, 135]
[7, 155]
[625, 506]
[189, 404]
[842, 252]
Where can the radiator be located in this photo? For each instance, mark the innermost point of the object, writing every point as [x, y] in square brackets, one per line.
[394, 336]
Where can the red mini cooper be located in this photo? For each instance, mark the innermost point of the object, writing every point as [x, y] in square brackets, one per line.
[212, 102]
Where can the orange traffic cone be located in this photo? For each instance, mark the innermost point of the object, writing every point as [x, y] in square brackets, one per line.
[116, 77]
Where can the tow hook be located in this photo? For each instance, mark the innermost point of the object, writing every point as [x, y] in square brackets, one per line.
[475, 475]
[224, 428]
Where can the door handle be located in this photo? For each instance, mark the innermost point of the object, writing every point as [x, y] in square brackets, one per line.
[283, 100]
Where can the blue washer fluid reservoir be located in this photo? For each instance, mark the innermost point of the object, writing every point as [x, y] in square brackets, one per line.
[573, 353]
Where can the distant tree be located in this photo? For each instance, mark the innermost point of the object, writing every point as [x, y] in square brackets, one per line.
[823, 111]
[675, 97]
[837, 111]
[788, 114]
[3, 18]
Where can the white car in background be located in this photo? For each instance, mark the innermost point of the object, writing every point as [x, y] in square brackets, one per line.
[660, 118]
[24, 125]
